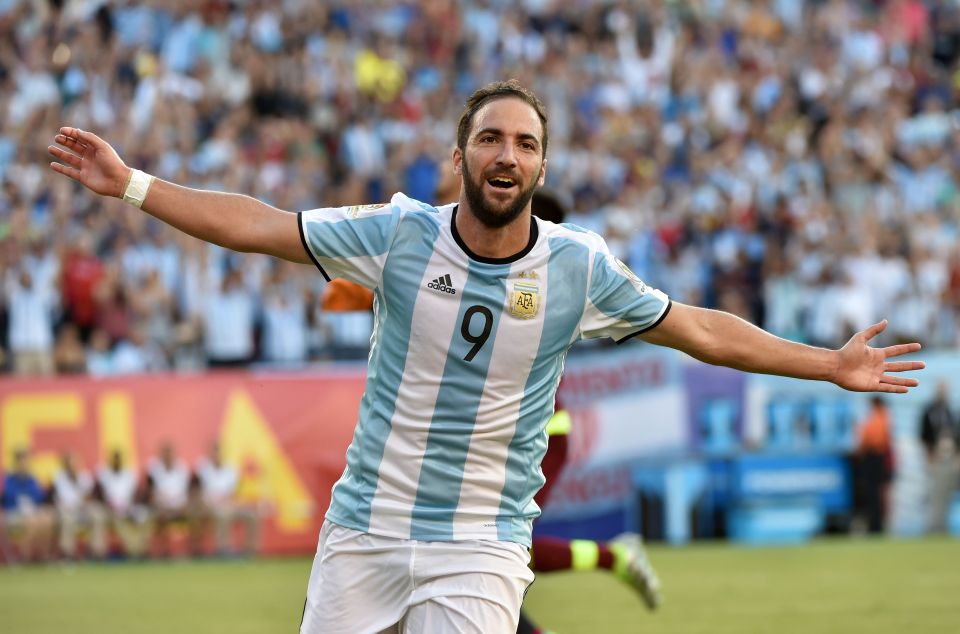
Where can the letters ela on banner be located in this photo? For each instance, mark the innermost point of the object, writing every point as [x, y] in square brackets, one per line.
[290, 433]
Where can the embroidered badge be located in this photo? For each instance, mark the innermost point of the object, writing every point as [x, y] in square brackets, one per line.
[356, 210]
[632, 276]
[525, 297]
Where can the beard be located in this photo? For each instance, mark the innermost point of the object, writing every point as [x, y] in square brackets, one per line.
[486, 213]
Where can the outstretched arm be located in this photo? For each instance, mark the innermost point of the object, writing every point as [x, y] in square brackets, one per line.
[234, 221]
[722, 339]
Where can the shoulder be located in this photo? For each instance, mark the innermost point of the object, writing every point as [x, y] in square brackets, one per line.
[408, 207]
[398, 207]
[404, 203]
[575, 234]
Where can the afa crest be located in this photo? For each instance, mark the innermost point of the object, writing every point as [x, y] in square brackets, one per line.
[632, 276]
[356, 210]
[525, 298]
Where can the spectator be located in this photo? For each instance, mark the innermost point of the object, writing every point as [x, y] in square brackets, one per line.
[27, 518]
[82, 273]
[153, 314]
[42, 262]
[114, 315]
[228, 323]
[940, 435]
[284, 318]
[218, 490]
[117, 492]
[72, 499]
[136, 355]
[69, 356]
[31, 309]
[100, 354]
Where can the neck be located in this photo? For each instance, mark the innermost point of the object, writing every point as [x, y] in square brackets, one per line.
[489, 242]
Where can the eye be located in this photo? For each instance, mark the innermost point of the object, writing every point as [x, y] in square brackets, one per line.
[488, 138]
[528, 145]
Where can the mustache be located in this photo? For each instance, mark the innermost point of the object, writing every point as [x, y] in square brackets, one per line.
[501, 174]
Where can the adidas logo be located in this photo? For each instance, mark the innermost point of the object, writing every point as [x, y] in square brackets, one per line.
[443, 283]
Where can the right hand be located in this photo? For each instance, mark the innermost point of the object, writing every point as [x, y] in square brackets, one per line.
[89, 160]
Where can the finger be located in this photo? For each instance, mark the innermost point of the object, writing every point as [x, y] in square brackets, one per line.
[70, 133]
[891, 389]
[62, 155]
[71, 143]
[66, 170]
[903, 348]
[83, 136]
[874, 330]
[903, 366]
[899, 380]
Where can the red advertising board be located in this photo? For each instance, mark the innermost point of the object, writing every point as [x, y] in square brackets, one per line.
[287, 433]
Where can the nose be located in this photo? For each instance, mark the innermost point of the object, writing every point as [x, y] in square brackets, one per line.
[507, 157]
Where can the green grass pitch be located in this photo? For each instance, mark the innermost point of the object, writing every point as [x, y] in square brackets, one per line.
[870, 586]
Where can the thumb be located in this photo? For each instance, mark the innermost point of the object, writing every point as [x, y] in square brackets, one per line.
[874, 330]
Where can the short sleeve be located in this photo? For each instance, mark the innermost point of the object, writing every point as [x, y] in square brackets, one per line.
[619, 305]
[350, 242]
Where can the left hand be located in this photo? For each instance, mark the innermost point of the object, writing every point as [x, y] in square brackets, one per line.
[864, 369]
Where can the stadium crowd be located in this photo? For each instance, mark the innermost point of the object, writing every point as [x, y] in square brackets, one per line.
[793, 162]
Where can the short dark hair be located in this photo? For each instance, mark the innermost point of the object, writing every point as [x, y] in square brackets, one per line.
[499, 90]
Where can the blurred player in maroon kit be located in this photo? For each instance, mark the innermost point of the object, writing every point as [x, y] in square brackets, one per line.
[624, 556]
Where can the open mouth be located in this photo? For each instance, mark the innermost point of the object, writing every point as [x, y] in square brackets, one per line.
[501, 182]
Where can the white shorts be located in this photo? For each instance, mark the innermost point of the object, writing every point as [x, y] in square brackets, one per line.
[367, 584]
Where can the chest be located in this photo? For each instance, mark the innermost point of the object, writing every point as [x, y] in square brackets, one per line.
[477, 315]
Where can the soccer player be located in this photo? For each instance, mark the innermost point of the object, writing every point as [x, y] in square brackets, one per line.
[72, 490]
[219, 483]
[26, 515]
[625, 556]
[476, 305]
[116, 490]
[172, 492]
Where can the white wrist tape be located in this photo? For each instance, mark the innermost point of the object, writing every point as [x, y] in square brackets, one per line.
[137, 188]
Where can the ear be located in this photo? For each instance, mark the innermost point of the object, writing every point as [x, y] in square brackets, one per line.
[543, 173]
[457, 161]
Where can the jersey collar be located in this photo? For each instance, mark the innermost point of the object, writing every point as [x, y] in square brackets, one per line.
[534, 234]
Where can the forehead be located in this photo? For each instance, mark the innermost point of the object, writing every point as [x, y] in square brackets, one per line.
[510, 115]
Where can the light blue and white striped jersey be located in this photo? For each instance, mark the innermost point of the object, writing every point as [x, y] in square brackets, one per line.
[465, 359]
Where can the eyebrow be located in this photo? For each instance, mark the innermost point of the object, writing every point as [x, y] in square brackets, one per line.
[525, 136]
